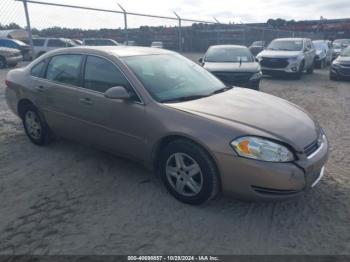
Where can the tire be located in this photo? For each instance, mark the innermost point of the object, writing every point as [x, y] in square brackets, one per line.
[35, 126]
[3, 63]
[310, 70]
[299, 74]
[178, 159]
[333, 77]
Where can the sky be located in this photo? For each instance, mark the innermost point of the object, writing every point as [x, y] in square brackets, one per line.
[238, 11]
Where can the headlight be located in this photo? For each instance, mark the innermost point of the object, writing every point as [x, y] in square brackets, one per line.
[256, 76]
[259, 58]
[262, 149]
[335, 63]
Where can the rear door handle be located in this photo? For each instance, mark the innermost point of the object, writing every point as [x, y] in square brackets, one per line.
[85, 101]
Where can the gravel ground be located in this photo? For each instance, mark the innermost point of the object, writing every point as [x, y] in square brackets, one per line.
[70, 199]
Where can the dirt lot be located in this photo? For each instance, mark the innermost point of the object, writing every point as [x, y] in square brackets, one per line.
[70, 199]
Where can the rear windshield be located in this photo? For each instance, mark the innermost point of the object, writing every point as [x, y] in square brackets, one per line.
[229, 54]
[286, 45]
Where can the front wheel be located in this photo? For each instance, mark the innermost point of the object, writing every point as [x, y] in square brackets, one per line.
[188, 172]
[35, 126]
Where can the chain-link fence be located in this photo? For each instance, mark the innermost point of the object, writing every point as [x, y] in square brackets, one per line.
[50, 19]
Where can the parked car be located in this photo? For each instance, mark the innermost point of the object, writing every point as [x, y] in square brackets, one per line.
[256, 47]
[339, 45]
[19, 45]
[324, 53]
[43, 45]
[340, 68]
[77, 41]
[288, 55]
[130, 43]
[157, 44]
[99, 42]
[9, 57]
[234, 65]
[199, 135]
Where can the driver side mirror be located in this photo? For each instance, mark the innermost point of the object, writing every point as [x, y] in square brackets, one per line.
[200, 60]
[117, 92]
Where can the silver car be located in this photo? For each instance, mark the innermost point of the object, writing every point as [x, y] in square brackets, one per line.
[9, 57]
[234, 65]
[157, 107]
[289, 56]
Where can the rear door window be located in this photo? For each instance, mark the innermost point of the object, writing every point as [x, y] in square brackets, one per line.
[64, 69]
[38, 42]
[38, 69]
[56, 43]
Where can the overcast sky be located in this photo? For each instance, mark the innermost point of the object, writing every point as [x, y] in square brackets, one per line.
[245, 11]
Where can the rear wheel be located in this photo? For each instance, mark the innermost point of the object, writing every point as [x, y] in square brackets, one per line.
[2, 62]
[35, 126]
[188, 172]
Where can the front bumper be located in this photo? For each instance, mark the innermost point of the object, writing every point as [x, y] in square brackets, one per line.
[257, 180]
[340, 71]
[291, 68]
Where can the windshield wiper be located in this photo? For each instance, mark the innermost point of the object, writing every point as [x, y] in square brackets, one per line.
[221, 90]
[184, 98]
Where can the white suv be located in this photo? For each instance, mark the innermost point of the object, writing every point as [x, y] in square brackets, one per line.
[288, 55]
[43, 45]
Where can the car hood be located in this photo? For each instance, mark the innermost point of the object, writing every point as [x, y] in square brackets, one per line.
[241, 107]
[278, 54]
[232, 67]
[344, 59]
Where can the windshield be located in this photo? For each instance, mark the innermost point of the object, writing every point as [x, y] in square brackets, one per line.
[339, 42]
[229, 54]
[19, 42]
[173, 78]
[345, 52]
[286, 45]
[319, 45]
[100, 42]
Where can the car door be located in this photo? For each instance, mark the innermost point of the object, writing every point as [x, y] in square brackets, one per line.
[115, 125]
[59, 97]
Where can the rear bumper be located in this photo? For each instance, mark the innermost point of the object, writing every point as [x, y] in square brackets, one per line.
[11, 60]
[11, 100]
[257, 180]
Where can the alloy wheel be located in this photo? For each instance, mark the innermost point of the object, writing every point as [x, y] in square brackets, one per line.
[184, 174]
[33, 125]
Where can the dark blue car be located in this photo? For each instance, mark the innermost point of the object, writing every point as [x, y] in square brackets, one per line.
[16, 44]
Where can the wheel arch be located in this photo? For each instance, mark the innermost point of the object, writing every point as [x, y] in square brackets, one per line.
[164, 141]
[22, 104]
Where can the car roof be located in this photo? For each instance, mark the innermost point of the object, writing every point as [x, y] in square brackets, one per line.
[117, 51]
[233, 46]
[292, 39]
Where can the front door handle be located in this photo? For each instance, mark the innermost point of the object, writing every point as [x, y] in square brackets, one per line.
[85, 101]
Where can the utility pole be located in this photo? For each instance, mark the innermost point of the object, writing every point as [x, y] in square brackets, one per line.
[180, 33]
[125, 24]
[29, 29]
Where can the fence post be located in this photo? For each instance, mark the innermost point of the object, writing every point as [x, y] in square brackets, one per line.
[125, 24]
[180, 33]
[29, 29]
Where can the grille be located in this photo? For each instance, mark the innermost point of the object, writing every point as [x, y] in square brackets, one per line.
[345, 65]
[274, 62]
[275, 192]
[233, 78]
[308, 150]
